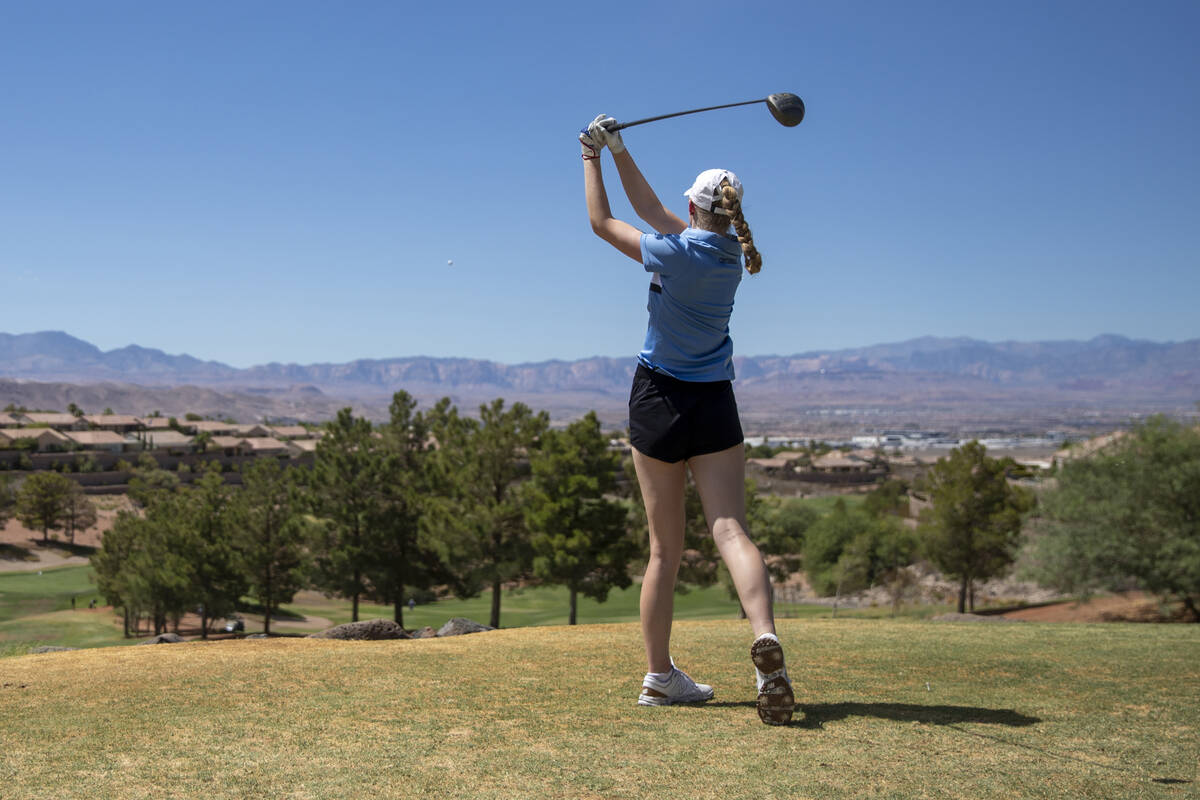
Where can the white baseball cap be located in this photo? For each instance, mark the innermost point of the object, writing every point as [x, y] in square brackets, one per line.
[706, 191]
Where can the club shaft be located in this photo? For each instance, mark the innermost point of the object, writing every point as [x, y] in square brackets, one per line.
[681, 113]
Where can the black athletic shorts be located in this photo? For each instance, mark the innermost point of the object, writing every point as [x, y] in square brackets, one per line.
[673, 420]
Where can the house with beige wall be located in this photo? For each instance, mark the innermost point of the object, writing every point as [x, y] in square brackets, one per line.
[117, 423]
[104, 441]
[45, 439]
[59, 422]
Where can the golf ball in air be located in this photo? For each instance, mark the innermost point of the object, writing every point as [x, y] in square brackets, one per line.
[450, 262]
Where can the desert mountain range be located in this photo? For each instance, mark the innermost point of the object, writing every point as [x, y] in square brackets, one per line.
[941, 382]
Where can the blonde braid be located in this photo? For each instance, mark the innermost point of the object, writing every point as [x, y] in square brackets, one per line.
[733, 206]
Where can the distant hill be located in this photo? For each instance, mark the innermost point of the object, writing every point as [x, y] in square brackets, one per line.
[1109, 375]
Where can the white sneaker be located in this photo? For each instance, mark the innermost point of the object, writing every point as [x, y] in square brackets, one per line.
[678, 688]
[775, 699]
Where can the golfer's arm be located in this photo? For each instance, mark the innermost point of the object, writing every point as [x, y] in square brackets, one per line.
[620, 235]
[645, 202]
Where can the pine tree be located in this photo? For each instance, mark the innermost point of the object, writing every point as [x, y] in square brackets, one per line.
[271, 533]
[580, 534]
[42, 501]
[973, 529]
[480, 468]
[346, 483]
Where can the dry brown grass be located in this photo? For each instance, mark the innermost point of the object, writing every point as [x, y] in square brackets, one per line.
[890, 709]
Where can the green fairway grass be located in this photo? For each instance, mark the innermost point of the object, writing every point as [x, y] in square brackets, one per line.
[39, 591]
[895, 709]
[537, 605]
[35, 609]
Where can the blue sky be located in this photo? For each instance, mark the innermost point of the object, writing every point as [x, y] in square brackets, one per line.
[269, 181]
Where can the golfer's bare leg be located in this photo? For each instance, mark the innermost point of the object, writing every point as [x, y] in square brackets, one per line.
[720, 479]
[662, 486]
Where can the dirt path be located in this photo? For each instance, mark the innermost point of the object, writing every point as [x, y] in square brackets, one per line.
[1126, 607]
[39, 559]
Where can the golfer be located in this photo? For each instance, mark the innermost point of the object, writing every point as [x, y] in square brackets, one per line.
[682, 412]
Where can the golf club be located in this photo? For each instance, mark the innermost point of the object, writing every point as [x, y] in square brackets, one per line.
[785, 107]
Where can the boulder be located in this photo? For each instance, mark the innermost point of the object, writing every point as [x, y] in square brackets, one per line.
[425, 633]
[461, 625]
[49, 648]
[164, 638]
[366, 629]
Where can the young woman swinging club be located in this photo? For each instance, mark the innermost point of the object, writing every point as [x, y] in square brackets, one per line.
[682, 412]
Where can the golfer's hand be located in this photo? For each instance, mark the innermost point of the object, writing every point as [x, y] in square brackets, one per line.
[589, 144]
[599, 130]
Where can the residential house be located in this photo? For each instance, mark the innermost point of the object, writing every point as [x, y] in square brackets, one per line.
[251, 431]
[299, 447]
[106, 441]
[226, 445]
[118, 423]
[60, 422]
[773, 464]
[8, 420]
[155, 423]
[172, 441]
[45, 439]
[264, 446]
[290, 432]
[838, 462]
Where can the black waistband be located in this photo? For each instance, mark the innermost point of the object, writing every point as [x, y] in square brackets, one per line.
[663, 379]
[657, 289]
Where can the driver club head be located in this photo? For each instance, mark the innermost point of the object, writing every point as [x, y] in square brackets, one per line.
[786, 108]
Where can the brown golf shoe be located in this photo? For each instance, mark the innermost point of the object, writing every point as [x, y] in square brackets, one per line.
[775, 699]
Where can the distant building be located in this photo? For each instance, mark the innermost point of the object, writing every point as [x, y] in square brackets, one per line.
[118, 423]
[59, 422]
[171, 441]
[45, 439]
[290, 432]
[104, 441]
[214, 427]
[252, 431]
[299, 447]
[836, 462]
[264, 446]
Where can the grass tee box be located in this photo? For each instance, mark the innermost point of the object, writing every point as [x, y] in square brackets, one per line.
[895, 709]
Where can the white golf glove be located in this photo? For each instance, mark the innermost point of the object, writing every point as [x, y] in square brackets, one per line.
[611, 139]
[590, 146]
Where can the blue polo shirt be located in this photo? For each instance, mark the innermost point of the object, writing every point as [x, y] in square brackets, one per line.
[695, 276]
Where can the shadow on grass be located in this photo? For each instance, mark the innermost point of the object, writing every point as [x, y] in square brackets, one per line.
[815, 715]
[67, 548]
[279, 614]
[14, 552]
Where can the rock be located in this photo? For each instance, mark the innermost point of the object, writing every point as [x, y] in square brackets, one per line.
[956, 617]
[164, 638]
[425, 633]
[257, 636]
[461, 625]
[366, 629]
[49, 648]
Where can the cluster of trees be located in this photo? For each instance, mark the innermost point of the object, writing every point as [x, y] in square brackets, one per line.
[434, 501]
[203, 548]
[47, 501]
[1126, 517]
[385, 513]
